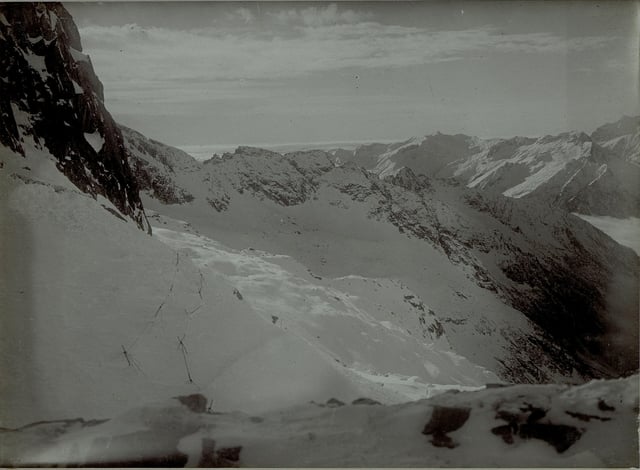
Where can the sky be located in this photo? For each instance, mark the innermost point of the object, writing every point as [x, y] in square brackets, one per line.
[247, 73]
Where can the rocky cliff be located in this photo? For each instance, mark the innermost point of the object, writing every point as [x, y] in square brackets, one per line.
[51, 99]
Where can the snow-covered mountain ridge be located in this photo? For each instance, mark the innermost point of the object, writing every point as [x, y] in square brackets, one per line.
[596, 175]
[622, 137]
[536, 259]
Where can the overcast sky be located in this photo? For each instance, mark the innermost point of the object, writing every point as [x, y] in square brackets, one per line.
[265, 72]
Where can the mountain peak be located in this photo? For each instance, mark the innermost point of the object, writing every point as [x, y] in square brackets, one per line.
[624, 126]
[248, 151]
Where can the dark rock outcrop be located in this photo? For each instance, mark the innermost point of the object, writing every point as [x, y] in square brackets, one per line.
[527, 425]
[227, 457]
[334, 403]
[443, 421]
[196, 402]
[365, 401]
[51, 98]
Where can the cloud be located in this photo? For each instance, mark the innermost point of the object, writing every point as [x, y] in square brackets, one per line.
[245, 15]
[314, 16]
[161, 53]
[166, 66]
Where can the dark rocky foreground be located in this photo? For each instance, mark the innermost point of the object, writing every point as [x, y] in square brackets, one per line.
[545, 425]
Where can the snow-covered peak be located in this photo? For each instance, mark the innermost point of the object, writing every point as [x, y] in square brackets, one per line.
[574, 137]
[428, 155]
[148, 149]
[622, 138]
[624, 126]
[541, 161]
[556, 168]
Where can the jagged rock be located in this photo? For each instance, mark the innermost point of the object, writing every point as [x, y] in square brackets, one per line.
[50, 94]
[154, 166]
[161, 187]
[407, 179]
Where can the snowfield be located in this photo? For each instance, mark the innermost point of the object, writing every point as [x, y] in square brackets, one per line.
[365, 325]
[105, 317]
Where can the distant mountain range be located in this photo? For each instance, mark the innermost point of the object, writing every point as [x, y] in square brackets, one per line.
[595, 175]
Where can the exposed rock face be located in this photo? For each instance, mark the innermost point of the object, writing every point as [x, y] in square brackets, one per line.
[51, 98]
[571, 287]
[154, 166]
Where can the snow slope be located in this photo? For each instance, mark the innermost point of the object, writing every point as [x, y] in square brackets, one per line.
[593, 425]
[502, 276]
[103, 316]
